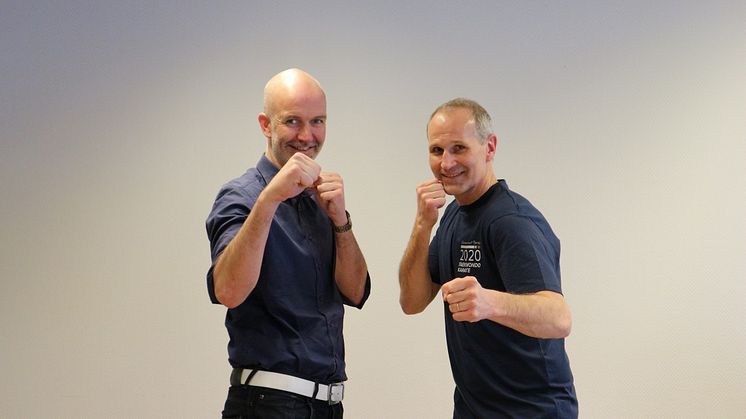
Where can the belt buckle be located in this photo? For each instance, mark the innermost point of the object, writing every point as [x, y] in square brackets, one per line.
[336, 393]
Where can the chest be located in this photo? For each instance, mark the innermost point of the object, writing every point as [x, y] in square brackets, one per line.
[468, 249]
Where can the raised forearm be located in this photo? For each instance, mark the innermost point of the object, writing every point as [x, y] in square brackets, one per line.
[416, 289]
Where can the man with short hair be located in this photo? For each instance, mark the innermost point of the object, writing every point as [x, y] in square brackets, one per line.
[284, 261]
[495, 261]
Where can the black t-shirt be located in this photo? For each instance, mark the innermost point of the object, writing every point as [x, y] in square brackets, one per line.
[503, 241]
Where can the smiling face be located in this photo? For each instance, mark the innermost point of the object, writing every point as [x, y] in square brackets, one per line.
[459, 159]
[294, 117]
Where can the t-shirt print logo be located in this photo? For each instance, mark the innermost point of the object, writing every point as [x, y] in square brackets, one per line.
[471, 256]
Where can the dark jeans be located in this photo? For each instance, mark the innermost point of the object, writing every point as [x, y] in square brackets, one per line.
[248, 402]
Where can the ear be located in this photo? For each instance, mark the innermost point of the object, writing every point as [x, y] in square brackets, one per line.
[491, 147]
[264, 123]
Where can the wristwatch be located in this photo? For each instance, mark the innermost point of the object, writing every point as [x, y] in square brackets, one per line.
[346, 227]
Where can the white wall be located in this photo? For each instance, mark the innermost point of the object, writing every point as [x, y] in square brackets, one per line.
[624, 122]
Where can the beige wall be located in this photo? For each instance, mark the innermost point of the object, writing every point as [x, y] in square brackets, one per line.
[623, 123]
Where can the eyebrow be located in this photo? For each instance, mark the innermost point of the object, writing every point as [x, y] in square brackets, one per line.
[288, 116]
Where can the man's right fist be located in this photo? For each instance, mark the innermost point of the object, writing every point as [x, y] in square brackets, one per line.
[300, 172]
[430, 197]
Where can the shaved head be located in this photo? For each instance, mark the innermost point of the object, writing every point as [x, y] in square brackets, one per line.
[291, 82]
[294, 116]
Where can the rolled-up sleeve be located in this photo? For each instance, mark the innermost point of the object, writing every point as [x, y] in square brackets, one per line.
[227, 216]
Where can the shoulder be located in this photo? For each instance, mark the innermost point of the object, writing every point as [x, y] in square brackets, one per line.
[235, 199]
[523, 228]
[514, 206]
[246, 187]
[512, 215]
[511, 225]
[451, 209]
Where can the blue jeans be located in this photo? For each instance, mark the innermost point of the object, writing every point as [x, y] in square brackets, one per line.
[248, 402]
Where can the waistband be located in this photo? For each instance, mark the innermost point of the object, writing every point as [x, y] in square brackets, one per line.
[332, 393]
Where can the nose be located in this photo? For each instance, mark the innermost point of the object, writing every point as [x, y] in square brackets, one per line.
[305, 133]
[447, 161]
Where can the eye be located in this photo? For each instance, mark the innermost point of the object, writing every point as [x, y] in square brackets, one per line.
[292, 122]
[458, 148]
[437, 151]
[318, 121]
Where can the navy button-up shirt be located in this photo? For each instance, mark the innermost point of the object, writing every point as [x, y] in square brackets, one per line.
[291, 322]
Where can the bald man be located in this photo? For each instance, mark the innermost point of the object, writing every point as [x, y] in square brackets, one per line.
[284, 262]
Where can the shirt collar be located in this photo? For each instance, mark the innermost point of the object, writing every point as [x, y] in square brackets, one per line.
[500, 185]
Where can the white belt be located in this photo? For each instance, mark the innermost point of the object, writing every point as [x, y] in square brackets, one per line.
[332, 393]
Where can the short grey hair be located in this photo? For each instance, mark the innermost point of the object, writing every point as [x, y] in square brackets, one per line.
[482, 119]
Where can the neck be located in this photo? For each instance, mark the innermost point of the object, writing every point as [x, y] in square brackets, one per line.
[479, 190]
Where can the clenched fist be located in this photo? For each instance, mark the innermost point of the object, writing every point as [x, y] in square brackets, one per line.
[467, 300]
[430, 197]
[331, 197]
[299, 173]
